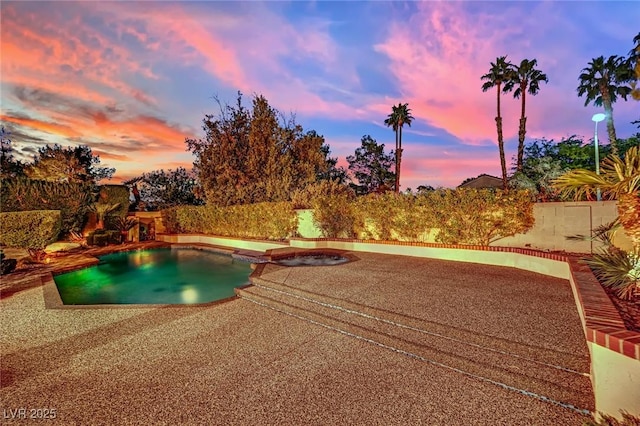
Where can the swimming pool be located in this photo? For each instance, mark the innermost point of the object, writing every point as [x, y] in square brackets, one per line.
[158, 276]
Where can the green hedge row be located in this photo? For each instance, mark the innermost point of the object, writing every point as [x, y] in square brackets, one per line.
[272, 221]
[73, 200]
[462, 216]
[32, 230]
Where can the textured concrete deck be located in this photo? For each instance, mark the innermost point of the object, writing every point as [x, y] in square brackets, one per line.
[243, 363]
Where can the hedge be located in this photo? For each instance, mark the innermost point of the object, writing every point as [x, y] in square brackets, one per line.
[32, 230]
[73, 200]
[272, 221]
[462, 216]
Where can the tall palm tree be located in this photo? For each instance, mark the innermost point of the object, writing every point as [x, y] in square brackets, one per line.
[525, 78]
[602, 82]
[498, 75]
[400, 115]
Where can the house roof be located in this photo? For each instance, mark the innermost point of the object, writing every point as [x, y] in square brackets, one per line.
[483, 181]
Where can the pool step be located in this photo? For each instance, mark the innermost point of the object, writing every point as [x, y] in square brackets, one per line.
[455, 348]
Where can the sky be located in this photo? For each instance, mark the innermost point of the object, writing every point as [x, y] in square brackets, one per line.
[132, 80]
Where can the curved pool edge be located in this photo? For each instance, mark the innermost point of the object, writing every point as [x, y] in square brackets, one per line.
[52, 299]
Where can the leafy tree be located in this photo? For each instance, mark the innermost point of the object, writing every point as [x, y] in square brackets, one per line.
[602, 82]
[634, 63]
[497, 76]
[371, 166]
[9, 167]
[160, 190]
[251, 156]
[400, 115]
[331, 170]
[524, 78]
[71, 164]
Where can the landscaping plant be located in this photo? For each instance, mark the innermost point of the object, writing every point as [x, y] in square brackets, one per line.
[618, 179]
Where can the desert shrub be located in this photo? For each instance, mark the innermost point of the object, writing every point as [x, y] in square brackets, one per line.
[32, 230]
[115, 194]
[73, 200]
[335, 216]
[274, 221]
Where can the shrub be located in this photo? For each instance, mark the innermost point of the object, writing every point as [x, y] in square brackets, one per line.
[274, 221]
[304, 198]
[115, 194]
[464, 216]
[73, 200]
[480, 216]
[170, 220]
[335, 216]
[32, 230]
[100, 239]
[608, 420]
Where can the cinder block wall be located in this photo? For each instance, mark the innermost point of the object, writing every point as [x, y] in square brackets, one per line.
[556, 221]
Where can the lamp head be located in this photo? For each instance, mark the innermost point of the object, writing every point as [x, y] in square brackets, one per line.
[598, 117]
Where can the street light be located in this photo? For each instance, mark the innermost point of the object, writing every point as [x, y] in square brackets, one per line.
[596, 119]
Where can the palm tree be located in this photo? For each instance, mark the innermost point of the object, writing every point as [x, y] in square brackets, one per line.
[602, 82]
[527, 79]
[400, 115]
[498, 75]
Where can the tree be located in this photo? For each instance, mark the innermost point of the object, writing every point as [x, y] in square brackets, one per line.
[602, 82]
[250, 156]
[634, 63]
[524, 78]
[400, 115]
[331, 170]
[71, 164]
[498, 75]
[160, 190]
[371, 166]
[9, 167]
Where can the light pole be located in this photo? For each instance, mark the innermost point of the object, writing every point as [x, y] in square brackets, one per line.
[596, 119]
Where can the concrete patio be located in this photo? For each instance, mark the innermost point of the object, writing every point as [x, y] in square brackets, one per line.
[445, 354]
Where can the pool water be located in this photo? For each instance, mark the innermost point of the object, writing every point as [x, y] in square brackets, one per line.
[159, 276]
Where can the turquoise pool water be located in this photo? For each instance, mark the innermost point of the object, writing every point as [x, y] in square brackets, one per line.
[159, 276]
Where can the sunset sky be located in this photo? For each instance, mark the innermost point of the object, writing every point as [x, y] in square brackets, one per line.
[133, 79]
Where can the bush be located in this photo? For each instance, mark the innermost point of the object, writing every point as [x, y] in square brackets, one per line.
[463, 216]
[335, 216]
[115, 194]
[32, 230]
[305, 197]
[170, 220]
[273, 221]
[113, 237]
[101, 240]
[480, 216]
[73, 200]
